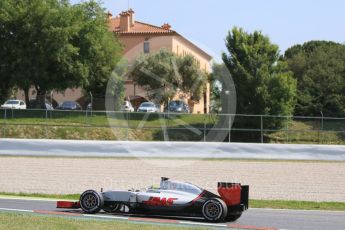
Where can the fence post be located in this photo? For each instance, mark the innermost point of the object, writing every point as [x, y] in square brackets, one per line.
[230, 119]
[5, 122]
[287, 130]
[127, 130]
[166, 121]
[321, 127]
[46, 131]
[205, 127]
[262, 129]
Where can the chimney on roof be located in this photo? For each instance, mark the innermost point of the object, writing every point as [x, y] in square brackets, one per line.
[166, 26]
[125, 25]
[109, 16]
[131, 18]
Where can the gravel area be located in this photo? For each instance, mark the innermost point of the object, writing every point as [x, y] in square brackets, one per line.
[312, 181]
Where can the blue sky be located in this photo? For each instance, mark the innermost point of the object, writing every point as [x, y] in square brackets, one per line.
[206, 22]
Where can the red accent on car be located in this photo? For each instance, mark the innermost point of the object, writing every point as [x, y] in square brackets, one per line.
[157, 201]
[197, 198]
[230, 193]
[67, 204]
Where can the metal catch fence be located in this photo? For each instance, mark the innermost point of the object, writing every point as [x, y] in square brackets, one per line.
[112, 125]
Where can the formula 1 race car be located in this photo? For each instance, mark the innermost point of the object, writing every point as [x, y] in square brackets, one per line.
[172, 198]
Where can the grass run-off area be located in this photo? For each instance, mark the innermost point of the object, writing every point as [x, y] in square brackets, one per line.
[81, 125]
[274, 204]
[37, 222]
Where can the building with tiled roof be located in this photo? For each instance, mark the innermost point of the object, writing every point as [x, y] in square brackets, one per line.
[140, 38]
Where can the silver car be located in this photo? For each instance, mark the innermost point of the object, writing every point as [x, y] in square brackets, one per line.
[148, 107]
[127, 107]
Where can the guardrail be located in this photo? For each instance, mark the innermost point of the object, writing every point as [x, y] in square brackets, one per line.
[110, 125]
[198, 150]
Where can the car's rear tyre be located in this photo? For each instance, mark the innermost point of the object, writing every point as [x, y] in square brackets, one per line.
[112, 207]
[232, 216]
[214, 210]
[91, 201]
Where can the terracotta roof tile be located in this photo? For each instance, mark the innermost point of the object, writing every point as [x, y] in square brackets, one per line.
[145, 28]
[138, 27]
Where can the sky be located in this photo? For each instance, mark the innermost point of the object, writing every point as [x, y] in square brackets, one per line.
[207, 22]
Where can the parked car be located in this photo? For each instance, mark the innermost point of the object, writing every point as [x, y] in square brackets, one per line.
[69, 105]
[127, 107]
[48, 106]
[177, 107]
[14, 104]
[148, 107]
[34, 105]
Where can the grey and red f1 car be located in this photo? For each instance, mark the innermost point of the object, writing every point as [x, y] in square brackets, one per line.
[172, 198]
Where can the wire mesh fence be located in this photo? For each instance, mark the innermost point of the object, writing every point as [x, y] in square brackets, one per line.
[112, 125]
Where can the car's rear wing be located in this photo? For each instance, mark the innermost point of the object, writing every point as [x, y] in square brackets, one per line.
[245, 196]
[234, 194]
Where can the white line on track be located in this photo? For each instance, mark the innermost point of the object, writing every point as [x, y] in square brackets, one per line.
[203, 224]
[126, 218]
[106, 217]
[16, 210]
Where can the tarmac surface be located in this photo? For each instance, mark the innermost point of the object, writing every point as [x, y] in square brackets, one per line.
[263, 219]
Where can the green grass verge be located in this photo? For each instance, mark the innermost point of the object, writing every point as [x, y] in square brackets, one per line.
[79, 125]
[275, 204]
[298, 205]
[41, 195]
[304, 131]
[34, 222]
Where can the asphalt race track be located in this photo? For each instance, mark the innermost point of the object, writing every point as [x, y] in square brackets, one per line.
[263, 219]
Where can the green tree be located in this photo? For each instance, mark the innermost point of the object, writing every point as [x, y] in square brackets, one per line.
[53, 45]
[319, 67]
[164, 74]
[115, 92]
[5, 86]
[264, 85]
[99, 50]
[219, 73]
[4, 92]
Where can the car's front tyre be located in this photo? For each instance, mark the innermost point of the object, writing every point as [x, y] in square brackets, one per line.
[91, 201]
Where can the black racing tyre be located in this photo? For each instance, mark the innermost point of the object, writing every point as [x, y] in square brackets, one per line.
[232, 216]
[214, 210]
[91, 201]
[112, 207]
